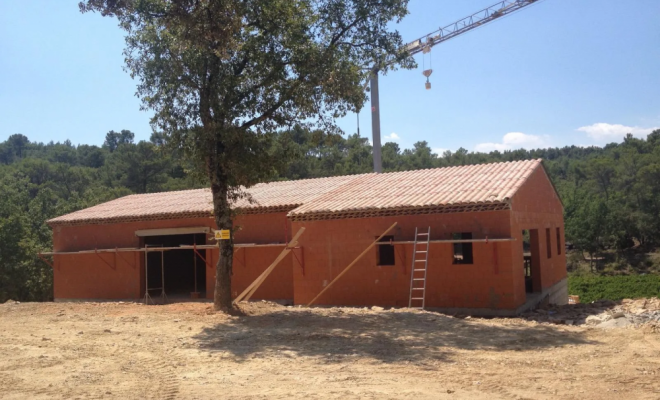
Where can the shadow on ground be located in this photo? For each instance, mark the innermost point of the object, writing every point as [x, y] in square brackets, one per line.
[386, 336]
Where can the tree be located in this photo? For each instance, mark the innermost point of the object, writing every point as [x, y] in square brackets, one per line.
[18, 143]
[90, 156]
[220, 75]
[115, 139]
[142, 167]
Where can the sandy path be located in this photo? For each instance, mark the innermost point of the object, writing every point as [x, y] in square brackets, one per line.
[185, 351]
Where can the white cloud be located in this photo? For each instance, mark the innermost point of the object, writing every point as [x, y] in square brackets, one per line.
[439, 150]
[603, 131]
[513, 141]
[392, 137]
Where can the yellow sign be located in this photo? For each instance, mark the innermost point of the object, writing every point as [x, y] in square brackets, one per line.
[222, 234]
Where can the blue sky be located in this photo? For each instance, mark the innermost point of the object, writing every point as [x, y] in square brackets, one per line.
[559, 72]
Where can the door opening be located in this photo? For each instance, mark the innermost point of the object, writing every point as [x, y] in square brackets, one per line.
[183, 273]
[531, 261]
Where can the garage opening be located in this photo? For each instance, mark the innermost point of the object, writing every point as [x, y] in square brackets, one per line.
[183, 272]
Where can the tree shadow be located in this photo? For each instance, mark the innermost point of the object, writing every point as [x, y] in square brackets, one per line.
[339, 334]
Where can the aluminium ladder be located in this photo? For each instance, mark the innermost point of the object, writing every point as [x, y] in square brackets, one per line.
[417, 272]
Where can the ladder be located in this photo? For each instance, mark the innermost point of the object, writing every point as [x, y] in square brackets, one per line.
[418, 270]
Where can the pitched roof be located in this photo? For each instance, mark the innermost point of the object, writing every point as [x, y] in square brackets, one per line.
[452, 189]
[266, 197]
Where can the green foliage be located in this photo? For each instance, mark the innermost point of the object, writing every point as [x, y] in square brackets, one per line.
[41, 181]
[592, 288]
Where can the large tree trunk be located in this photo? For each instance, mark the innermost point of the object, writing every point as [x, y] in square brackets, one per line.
[223, 269]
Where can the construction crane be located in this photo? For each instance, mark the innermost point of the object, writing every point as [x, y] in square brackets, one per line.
[424, 45]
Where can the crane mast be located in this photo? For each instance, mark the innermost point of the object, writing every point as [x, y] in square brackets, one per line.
[425, 43]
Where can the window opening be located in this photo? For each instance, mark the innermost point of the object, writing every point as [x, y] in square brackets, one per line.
[386, 252]
[558, 241]
[527, 261]
[548, 244]
[462, 251]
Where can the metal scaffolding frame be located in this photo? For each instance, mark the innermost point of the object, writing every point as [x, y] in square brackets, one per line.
[148, 297]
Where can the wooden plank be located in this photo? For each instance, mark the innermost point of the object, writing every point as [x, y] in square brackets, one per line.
[252, 288]
[141, 249]
[257, 282]
[172, 231]
[351, 264]
[450, 241]
[263, 277]
[239, 245]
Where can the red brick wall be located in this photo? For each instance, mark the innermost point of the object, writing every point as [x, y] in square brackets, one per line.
[249, 263]
[537, 206]
[331, 245]
[111, 276]
[495, 280]
[102, 276]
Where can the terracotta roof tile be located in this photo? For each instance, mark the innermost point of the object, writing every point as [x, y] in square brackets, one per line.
[431, 190]
[268, 197]
[485, 184]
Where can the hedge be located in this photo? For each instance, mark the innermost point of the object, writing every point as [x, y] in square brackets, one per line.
[591, 288]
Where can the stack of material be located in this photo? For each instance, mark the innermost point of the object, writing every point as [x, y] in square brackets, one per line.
[602, 314]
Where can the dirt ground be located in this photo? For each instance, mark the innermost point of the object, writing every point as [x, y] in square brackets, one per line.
[186, 351]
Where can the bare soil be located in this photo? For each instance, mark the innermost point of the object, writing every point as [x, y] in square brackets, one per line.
[186, 351]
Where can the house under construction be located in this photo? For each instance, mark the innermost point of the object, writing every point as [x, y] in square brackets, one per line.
[481, 239]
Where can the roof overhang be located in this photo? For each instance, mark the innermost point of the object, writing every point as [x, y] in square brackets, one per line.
[373, 213]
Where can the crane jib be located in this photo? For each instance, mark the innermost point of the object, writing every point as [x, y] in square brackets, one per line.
[423, 43]
[463, 25]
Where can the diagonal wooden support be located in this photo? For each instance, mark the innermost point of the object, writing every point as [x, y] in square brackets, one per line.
[238, 249]
[351, 264]
[107, 263]
[122, 257]
[249, 291]
[46, 261]
[201, 256]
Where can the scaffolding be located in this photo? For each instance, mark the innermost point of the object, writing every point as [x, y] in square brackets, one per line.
[163, 296]
[252, 288]
[148, 299]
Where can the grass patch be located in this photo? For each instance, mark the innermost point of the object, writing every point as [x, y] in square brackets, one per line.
[591, 288]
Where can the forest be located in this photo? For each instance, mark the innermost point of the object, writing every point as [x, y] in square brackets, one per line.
[611, 195]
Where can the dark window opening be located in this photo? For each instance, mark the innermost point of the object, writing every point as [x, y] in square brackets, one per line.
[527, 261]
[462, 251]
[548, 244]
[558, 241]
[386, 252]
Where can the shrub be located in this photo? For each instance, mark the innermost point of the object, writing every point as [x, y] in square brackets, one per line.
[591, 288]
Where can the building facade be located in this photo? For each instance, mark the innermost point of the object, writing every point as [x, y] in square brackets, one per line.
[496, 244]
